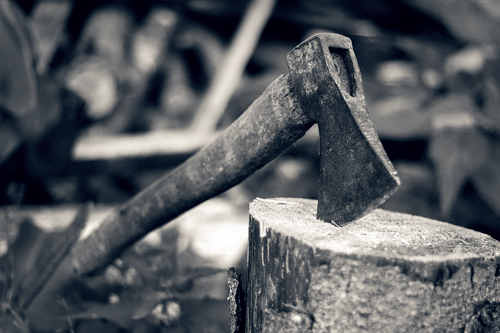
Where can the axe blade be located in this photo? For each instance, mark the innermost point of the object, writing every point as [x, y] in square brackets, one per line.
[356, 175]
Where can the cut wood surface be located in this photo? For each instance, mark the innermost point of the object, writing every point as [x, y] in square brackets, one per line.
[386, 272]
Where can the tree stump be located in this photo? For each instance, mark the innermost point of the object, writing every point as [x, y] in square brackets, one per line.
[386, 272]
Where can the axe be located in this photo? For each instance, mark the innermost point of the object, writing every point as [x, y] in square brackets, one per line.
[324, 87]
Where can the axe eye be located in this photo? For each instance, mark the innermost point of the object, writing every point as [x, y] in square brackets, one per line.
[343, 69]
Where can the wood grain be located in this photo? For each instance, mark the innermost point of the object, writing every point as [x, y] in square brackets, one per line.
[386, 272]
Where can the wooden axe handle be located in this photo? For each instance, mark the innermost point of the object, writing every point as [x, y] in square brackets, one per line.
[271, 124]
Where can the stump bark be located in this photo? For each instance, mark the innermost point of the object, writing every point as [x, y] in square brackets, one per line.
[386, 272]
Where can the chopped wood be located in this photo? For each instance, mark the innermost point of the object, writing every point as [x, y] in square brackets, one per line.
[386, 272]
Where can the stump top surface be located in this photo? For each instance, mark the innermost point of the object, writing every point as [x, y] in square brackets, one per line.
[381, 233]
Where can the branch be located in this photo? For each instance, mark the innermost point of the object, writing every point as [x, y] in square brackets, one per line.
[232, 66]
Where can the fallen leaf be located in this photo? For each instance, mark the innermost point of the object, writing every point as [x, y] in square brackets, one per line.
[135, 304]
[457, 152]
[486, 179]
[469, 60]
[489, 117]
[167, 313]
[49, 20]
[149, 302]
[401, 117]
[9, 137]
[398, 73]
[92, 79]
[106, 32]
[12, 323]
[54, 249]
[18, 86]
[468, 20]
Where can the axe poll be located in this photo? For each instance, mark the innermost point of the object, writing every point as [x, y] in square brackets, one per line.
[323, 86]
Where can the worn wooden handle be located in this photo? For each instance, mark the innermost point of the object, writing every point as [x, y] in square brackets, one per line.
[270, 125]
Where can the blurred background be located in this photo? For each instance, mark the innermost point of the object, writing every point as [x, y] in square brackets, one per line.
[98, 99]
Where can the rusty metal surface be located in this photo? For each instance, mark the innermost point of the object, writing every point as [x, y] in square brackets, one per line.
[355, 173]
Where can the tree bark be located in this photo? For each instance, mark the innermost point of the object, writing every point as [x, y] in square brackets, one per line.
[386, 272]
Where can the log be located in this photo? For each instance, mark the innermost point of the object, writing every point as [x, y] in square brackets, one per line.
[386, 272]
[115, 153]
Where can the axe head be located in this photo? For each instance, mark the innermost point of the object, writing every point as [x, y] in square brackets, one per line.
[356, 175]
